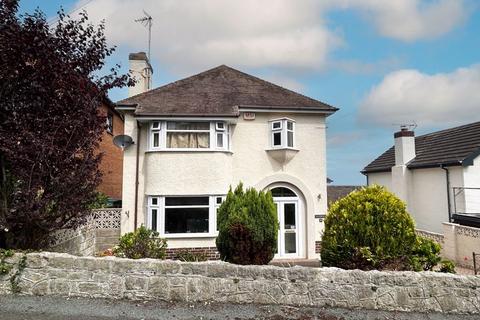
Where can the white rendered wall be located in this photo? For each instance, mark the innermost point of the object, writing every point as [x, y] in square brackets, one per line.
[427, 194]
[471, 175]
[203, 173]
[381, 178]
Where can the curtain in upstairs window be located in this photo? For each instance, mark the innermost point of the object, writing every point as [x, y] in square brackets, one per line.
[188, 140]
[188, 135]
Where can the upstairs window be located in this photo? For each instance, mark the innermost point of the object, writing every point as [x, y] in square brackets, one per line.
[109, 124]
[182, 135]
[186, 135]
[282, 133]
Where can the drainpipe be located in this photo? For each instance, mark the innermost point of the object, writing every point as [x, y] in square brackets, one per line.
[447, 175]
[136, 176]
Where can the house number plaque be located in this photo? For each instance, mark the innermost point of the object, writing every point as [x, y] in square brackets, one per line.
[249, 115]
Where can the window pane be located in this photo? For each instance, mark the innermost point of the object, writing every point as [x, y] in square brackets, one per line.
[154, 201]
[188, 125]
[186, 201]
[289, 125]
[156, 139]
[276, 125]
[289, 216]
[277, 138]
[219, 200]
[154, 219]
[219, 140]
[188, 140]
[282, 192]
[186, 220]
[290, 138]
[290, 242]
[220, 126]
[156, 125]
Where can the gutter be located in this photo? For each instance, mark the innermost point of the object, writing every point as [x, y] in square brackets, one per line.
[136, 176]
[447, 176]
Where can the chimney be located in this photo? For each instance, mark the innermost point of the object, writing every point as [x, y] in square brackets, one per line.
[404, 146]
[141, 71]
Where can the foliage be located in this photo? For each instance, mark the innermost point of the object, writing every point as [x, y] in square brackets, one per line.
[142, 243]
[4, 266]
[101, 201]
[371, 229]
[447, 266]
[51, 124]
[425, 254]
[248, 227]
[189, 256]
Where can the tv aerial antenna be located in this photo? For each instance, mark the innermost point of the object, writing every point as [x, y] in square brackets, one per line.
[147, 21]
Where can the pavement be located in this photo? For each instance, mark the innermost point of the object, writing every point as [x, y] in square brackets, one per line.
[58, 308]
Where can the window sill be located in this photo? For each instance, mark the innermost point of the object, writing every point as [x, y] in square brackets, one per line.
[189, 235]
[190, 150]
[282, 148]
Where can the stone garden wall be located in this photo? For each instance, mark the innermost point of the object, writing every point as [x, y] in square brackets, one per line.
[147, 279]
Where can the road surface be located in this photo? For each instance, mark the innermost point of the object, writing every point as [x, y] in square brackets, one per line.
[56, 308]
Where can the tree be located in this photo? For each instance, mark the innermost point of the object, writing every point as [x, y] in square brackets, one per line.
[50, 125]
[247, 227]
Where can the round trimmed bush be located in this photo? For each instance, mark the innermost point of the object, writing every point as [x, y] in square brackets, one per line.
[247, 226]
[370, 228]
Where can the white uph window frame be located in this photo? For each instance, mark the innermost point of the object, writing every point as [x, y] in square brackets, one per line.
[155, 219]
[282, 133]
[219, 136]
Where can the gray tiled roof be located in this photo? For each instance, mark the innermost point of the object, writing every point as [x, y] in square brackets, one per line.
[335, 193]
[455, 146]
[219, 92]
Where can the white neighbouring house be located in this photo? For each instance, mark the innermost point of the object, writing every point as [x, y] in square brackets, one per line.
[196, 137]
[437, 175]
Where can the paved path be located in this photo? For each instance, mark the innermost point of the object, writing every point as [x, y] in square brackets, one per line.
[54, 308]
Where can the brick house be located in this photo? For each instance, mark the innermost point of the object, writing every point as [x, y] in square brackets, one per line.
[112, 161]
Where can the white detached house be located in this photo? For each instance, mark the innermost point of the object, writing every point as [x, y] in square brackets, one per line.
[196, 137]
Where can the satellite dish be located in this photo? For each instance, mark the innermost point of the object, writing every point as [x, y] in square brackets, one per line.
[122, 141]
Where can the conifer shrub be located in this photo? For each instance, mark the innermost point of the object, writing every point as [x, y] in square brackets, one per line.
[371, 229]
[248, 227]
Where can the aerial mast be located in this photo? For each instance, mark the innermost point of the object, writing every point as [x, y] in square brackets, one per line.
[147, 21]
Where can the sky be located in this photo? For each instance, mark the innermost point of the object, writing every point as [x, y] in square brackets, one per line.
[383, 63]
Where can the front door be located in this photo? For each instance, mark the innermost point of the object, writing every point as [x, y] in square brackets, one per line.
[288, 246]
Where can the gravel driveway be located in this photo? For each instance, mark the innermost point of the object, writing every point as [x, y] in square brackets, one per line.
[55, 308]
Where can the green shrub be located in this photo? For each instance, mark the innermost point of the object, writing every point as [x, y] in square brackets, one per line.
[447, 266]
[100, 202]
[371, 229]
[142, 243]
[248, 227]
[189, 256]
[425, 254]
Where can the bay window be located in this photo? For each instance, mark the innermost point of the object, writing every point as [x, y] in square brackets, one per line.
[183, 216]
[184, 135]
[282, 133]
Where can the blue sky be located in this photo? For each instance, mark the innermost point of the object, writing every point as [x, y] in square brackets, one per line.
[382, 63]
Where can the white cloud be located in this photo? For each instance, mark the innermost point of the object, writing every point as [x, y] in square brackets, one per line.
[189, 36]
[410, 20]
[192, 35]
[409, 95]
